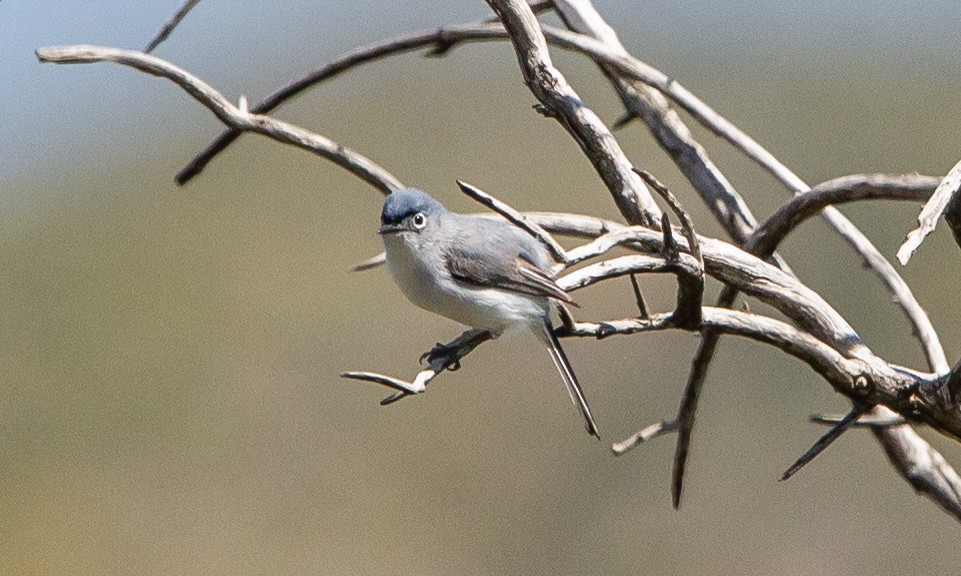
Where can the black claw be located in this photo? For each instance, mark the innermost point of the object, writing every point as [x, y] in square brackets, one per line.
[449, 354]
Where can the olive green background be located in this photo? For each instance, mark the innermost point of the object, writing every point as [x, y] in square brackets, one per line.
[169, 357]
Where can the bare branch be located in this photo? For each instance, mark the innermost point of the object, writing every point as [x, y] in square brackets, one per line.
[556, 95]
[948, 191]
[839, 371]
[644, 435]
[763, 244]
[665, 125]
[171, 24]
[864, 421]
[914, 458]
[855, 188]
[823, 339]
[635, 69]
[824, 441]
[516, 218]
[922, 466]
[441, 357]
[226, 112]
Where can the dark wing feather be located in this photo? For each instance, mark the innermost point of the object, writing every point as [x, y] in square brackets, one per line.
[490, 268]
[538, 278]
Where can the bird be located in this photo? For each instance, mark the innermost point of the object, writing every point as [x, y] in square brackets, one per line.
[484, 273]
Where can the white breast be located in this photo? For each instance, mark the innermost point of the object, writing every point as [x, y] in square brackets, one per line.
[434, 290]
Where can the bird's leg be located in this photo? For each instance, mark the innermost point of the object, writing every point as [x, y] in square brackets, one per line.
[447, 356]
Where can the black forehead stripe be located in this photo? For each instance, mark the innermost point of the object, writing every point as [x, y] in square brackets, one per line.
[394, 218]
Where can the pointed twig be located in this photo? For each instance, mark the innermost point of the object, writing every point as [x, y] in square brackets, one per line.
[687, 224]
[517, 219]
[644, 435]
[639, 298]
[865, 421]
[227, 112]
[824, 441]
[171, 24]
[763, 244]
[440, 358]
[370, 263]
[948, 189]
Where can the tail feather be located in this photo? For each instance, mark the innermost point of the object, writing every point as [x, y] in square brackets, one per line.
[570, 380]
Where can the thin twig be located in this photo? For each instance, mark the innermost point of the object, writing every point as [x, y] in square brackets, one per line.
[442, 357]
[644, 435]
[823, 442]
[763, 244]
[865, 421]
[370, 263]
[683, 265]
[687, 224]
[227, 112]
[639, 297]
[171, 24]
[948, 189]
[551, 89]
[443, 37]
[517, 219]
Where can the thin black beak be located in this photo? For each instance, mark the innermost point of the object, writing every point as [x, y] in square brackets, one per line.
[390, 229]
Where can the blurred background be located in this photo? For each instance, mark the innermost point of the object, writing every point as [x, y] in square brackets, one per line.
[169, 357]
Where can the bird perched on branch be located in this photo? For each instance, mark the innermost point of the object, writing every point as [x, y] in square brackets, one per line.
[487, 274]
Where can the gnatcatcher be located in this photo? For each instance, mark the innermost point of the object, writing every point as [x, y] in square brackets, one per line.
[487, 274]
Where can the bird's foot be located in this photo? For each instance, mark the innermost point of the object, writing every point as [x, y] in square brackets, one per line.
[450, 354]
[447, 356]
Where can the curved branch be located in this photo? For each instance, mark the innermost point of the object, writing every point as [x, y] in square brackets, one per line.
[763, 243]
[855, 188]
[646, 103]
[839, 371]
[516, 218]
[442, 39]
[635, 69]
[949, 190]
[237, 117]
[921, 465]
[560, 101]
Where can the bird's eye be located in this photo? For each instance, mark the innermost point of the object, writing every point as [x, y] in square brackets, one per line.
[419, 220]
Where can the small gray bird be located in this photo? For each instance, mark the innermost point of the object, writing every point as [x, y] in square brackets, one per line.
[487, 274]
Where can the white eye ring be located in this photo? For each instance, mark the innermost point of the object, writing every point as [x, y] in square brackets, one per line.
[419, 220]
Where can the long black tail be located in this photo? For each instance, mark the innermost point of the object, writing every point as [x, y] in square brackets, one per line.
[570, 380]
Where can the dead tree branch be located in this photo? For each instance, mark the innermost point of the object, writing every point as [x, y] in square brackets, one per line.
[551, 89]
[168, 28]
[237, 117]
[947, 194]
[816, 333]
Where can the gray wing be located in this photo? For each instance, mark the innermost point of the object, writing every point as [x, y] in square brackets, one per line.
[494, 254]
